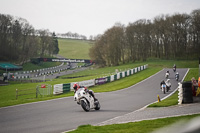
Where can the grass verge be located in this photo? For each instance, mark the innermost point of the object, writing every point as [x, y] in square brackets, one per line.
[145, 126]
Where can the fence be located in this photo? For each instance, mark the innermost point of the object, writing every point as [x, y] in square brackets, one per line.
[44, 90]
[41, 90]
[27, 93]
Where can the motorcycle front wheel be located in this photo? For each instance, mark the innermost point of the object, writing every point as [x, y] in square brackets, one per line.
[97, 104]
[85, 106]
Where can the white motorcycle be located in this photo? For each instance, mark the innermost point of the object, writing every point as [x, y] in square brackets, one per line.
[86, 100]
[174, 69]
[167, 75]
[177, 77]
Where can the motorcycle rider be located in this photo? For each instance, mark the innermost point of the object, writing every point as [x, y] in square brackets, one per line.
[168, 84]
[167, 71]
[177, 75]
[76, 87]
[174, 67]
[167, 74]
[162, 83]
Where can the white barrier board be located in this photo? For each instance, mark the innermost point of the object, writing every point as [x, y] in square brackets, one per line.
[58, 89]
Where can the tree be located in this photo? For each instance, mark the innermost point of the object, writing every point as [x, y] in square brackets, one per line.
[195, 31]
[19, 41]
[167, 37]
[44, 42]
[97, 52]
[5, 32]
[55, 44]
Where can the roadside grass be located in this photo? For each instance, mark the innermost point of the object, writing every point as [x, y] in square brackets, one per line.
[194, 72]
[173, 99]
[74, 49]
[170, 101]
[145, 126]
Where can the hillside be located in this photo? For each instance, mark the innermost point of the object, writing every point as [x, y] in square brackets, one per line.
[74, 49]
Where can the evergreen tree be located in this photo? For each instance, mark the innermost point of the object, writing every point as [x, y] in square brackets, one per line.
[55, 44]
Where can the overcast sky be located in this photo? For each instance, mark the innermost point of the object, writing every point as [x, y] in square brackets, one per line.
[91, 17]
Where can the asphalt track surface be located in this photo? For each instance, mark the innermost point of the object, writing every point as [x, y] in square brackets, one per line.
[55, 116]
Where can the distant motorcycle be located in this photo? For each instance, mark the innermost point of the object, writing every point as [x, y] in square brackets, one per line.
[174, 69]
[86, 101]
[168, 85]
[167, 75]
[177, 76]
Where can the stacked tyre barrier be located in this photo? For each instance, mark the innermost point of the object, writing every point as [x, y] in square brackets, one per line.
[187, 92]
[180, 93]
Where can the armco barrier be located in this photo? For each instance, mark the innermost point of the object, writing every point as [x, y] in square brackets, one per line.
[136, 70]
[58, 89]
[123, 74]
[120, 75]
[132, 71]
[63, 88]
[126, 74]
[112, 78]
[115, 77]
[100, 81]
[108, 79]
[142, 67]
[86, 83]
[66, 88]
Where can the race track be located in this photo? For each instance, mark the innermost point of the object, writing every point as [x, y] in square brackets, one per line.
[64, 114]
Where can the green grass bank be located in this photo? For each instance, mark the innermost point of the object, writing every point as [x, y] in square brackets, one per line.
[146, 126]
[74, 49]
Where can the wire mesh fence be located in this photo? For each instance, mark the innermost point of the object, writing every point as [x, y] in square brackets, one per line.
[41, 90]
[44, 90]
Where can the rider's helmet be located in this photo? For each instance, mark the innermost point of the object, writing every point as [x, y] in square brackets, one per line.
[176, 72]
[168, 80]
[75, 86]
